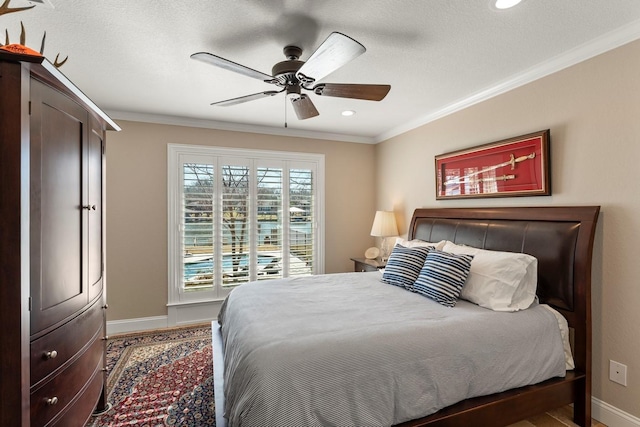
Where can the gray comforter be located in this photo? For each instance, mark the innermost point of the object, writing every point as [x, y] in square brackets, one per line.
[348, 350]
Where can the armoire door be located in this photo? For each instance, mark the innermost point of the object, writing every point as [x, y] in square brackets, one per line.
[59, 207]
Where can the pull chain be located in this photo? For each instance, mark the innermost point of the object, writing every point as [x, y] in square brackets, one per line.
[285, 111]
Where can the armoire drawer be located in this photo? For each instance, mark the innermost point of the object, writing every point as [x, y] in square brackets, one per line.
[65, 341]
[54, 395]
[81, 409]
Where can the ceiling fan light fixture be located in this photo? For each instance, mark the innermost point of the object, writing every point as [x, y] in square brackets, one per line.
[293, 92]
[506, 4]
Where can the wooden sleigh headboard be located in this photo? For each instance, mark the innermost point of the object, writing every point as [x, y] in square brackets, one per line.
[561, 238]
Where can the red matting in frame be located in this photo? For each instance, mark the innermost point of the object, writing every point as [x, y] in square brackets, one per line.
[513, 167]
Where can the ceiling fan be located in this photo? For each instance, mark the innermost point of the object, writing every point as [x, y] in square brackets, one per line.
[293, 75]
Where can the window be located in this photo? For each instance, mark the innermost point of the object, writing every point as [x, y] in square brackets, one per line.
[241, 215]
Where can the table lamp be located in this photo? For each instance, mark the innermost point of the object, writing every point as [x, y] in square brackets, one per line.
[384, 225]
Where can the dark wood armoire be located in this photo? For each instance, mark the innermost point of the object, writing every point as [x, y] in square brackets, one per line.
[52, 284]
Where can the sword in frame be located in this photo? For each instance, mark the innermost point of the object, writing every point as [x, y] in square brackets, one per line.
[512, 161]
[490, 179]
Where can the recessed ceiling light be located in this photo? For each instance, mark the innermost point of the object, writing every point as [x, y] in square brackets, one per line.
[348, 113]
[506, 4]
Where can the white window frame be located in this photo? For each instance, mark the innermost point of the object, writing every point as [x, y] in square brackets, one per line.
[179, 153]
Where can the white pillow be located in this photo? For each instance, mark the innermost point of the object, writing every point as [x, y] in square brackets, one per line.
[418, 243]
[500, 281]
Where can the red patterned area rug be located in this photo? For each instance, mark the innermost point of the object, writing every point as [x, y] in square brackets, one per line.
[160, 378]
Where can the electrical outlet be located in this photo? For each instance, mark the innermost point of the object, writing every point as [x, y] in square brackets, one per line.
[618, 372]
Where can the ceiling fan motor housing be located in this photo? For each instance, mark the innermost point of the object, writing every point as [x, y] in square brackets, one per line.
[285, 72]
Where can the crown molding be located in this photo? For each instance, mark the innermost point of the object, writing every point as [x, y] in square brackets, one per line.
[234, 127]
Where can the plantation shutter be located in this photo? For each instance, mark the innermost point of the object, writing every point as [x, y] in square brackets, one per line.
[198, 225]
[235, 212]
[302, 221]
[269, 218]
[237, 216]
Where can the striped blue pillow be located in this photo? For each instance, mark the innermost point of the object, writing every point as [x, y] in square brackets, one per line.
[443, 276]
[404, 265]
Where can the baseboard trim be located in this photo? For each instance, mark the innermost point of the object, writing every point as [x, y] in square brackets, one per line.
[177, 315]
[611, 416]
[135, 325]
[195, 312]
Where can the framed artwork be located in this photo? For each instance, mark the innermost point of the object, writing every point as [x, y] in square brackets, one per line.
[513, 167]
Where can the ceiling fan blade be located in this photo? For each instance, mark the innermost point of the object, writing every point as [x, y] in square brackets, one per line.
[212, 59]
[304, 108]
[355, 91]
[246, 98]
[332, 54]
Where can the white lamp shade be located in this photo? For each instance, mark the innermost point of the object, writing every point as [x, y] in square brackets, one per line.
[384, 224]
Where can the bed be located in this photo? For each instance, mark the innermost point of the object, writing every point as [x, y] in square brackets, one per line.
[560, 238]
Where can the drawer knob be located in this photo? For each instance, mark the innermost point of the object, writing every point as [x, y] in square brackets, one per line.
[51, 401]
[50, 354]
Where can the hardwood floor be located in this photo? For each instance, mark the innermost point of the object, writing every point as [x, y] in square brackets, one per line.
[558, 418]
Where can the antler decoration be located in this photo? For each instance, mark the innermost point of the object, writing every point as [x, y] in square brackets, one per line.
[5, 9]
[56, 63]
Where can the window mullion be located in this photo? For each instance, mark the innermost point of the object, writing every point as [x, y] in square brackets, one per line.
[217, 229]
[252, 211]
[286, 222]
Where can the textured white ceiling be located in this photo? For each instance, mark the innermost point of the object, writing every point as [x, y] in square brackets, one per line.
[132, 57]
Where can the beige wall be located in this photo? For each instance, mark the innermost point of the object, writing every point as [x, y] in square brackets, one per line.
[593, 111]
[137, 205]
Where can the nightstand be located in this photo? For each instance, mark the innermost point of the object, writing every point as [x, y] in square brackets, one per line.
[363, 264]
